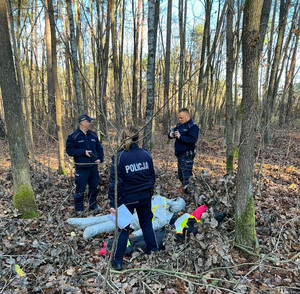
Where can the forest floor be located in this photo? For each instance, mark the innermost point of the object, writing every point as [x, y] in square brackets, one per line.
[46, 255]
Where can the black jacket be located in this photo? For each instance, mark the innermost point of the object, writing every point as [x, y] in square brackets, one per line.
[189, 132]
[78, 142]
[135, 174]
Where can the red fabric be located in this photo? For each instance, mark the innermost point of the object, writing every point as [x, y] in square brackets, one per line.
[198, 212]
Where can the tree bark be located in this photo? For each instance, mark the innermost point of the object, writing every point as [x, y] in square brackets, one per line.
[153, 15]
[136, 30]
[16, 53]
[74, 58]
[245, 233]
[58, 99]
[290, 73]
[116, 69]
[50, 82]
[140, 117]
[166, 113]
[201, 82]
[24, 196]
[272, 89]
[230, 120]
[182, 6]
[77, 4]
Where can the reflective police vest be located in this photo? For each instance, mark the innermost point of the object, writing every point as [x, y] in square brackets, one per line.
[181, 222]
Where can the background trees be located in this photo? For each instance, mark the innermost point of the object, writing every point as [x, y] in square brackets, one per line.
[102, 58]
[124, 61]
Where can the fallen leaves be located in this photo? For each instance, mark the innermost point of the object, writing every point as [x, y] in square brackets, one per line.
[51, 256]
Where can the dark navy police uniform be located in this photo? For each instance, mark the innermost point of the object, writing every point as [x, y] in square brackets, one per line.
[185, 149]
[136, 178]
[86, 169]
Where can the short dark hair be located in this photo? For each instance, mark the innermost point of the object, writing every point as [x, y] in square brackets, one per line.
[184, 110]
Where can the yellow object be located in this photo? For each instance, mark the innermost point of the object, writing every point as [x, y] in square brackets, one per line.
[182, 221]
[19, 271]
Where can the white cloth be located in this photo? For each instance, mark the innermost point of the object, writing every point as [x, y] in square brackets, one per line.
[163, 209]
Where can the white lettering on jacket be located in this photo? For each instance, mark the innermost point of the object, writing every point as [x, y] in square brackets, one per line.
[136, 167]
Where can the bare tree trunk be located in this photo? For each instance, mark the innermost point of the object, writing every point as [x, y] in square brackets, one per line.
[182, 28]
[77, 4]
[120, 92]
[116, 70]
[166, 111]
[153, 15]
[289, 77]
[290, 100]
[58, 100]
[28, 122]
[50, 82]
[141, 64]
[230, 121]
[200, 89]
[264, 21]
[210, 52]
[24, 197]
[68, 91]
[267, 70]
[104, 68]
[245, 233]
[136, 30]
[272, 89]
[74, 57]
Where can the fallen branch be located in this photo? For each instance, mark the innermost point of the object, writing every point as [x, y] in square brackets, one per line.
[273, 260]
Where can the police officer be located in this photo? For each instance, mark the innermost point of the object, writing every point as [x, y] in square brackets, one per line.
[84, 146]
[136, 178]
[186, 135]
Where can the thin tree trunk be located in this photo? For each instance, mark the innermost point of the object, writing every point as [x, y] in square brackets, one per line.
[182, 28]
[74, 57]
[141, 64]
[230, 120]
[50, 82]
[272, 91]
[200, 89]
[136, 30]
[264, 22]
[166, 110]
[115, 67]
[245, 233]
[153, 15]
[290, 73]
[58, 100]
[77, 4]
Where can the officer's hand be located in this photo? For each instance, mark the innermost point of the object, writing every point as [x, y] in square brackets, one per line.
[88, 153]
[177, 134]
[97, 161]
[172, 133]
[112, 211]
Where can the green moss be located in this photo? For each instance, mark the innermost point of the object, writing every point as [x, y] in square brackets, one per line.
[245, 233]
[236, 152]
[152, 145]
[229, 164]
[240, 110]
[24, 201]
